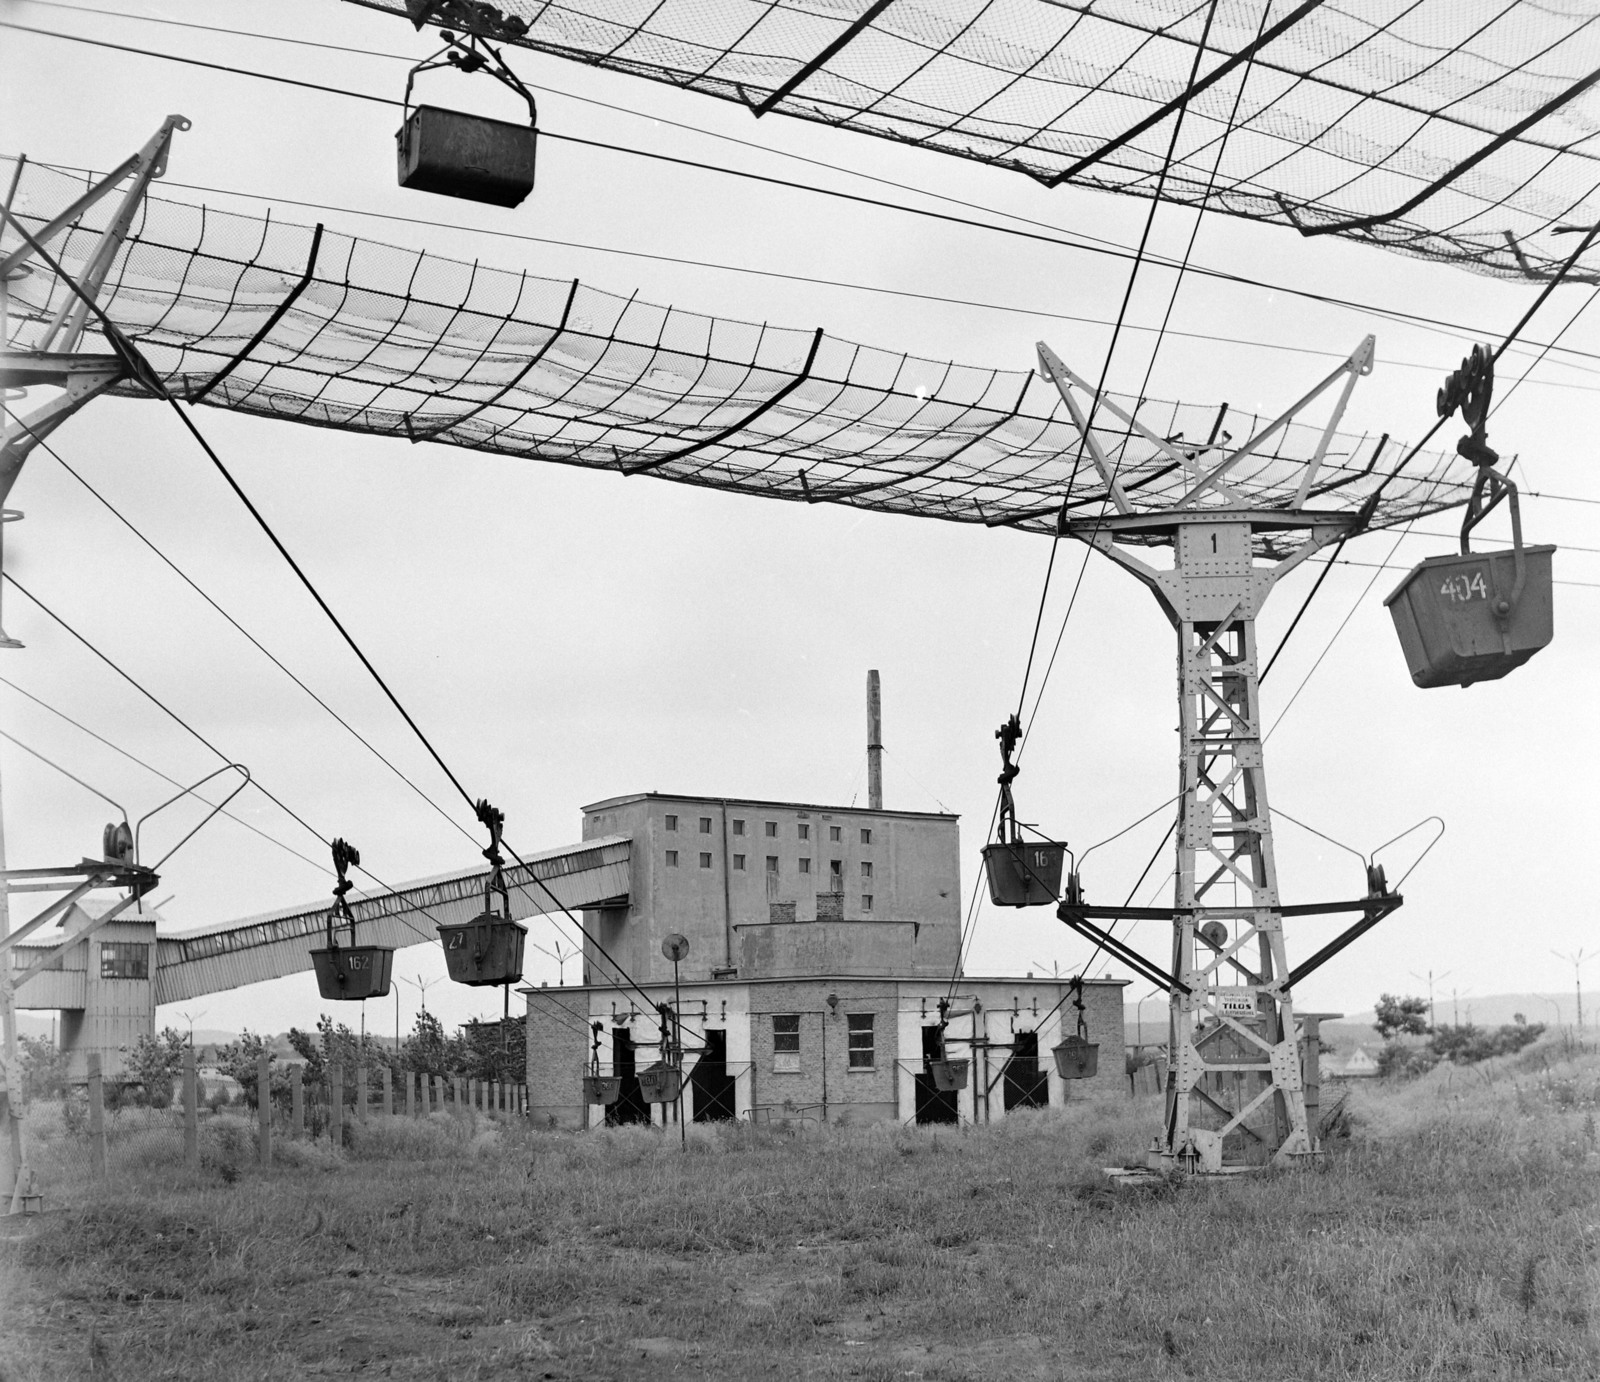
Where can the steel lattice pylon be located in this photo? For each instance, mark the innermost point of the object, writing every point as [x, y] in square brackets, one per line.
[1235, 1090]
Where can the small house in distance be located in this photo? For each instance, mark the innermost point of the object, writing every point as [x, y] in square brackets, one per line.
[822, 940]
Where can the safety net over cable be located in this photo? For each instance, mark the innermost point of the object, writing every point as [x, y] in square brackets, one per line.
[1461, 130]
[301, 323]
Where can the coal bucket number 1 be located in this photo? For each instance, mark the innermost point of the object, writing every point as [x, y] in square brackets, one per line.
[349, 973]
[1471, 616]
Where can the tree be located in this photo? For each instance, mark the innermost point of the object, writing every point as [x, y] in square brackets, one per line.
[238, 1058]
[154, 1062]
[44, 1069]
[1401, 1016]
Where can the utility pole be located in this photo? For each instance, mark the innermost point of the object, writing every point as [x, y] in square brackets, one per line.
[1429, 981]
[1575, 960]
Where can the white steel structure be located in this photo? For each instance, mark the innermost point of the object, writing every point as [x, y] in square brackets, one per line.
[1235, 1092]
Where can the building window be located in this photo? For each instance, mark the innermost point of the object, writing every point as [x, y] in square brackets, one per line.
[836, 833]
[863, 1055]
[805, 866]
[124, 960]
[805, 831]
[866, 868]
[738, 827]
[786, 1043]
[772, 863]
[836, 874]
[672, 858]
[738, 863]
[705, 859]
[772, 830]
[672, 822]
[866, 902]
[866, 836]
[705, 825]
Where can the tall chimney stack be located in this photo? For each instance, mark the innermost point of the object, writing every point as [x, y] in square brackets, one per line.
[874, 743]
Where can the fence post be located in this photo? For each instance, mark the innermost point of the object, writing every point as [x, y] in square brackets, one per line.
[411, 1093]
[388, 1093]
[494, 1096]
[191, 1110]
[361, 1093]
[297, 1104]
[336, 1104]
[97, 1120]
[264, 1109]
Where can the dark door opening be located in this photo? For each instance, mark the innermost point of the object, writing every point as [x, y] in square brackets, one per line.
[710, 1082]
[1026, 1085]
[934, 1105]
[630, 1106]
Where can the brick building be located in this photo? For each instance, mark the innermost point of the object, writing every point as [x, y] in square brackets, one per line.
[821, 940]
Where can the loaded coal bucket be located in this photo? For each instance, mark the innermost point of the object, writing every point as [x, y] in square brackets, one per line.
[353, 972]
[1462, 618]
[660, 1084]
[486, 950]
[1077, 1058]
[949, 1075]
[1024, 874]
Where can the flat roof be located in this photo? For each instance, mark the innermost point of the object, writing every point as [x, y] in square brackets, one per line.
[780, 805]
[967, 981]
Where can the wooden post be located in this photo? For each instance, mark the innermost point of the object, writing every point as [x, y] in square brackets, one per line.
[264, 1108]
[494, 1096]
[297, 1104]
[336, 1104]
[361, 1093]
[411, 1093]
[388, 1093]
[458, 1089]
[97, 1120]
[430, 1095]
[191, 1110]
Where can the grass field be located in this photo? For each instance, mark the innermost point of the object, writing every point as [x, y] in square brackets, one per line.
[1454, 1234]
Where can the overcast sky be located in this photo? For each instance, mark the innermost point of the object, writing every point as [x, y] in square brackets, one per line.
[565, 636]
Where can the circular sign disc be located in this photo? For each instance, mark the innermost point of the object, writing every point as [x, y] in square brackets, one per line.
[675, 947]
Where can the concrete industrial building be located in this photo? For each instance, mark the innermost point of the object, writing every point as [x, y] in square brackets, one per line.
[821, 941]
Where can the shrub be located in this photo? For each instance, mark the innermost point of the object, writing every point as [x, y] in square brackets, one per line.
[1466, 1044]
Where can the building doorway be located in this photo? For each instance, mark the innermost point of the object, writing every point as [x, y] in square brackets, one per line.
[630, 1106]
[934, 1105]
[710, 1082]
[1026, 1086]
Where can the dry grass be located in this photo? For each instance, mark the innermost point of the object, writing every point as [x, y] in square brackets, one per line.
[1456, 1234]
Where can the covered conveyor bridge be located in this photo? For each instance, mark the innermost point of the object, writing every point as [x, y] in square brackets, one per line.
[269, 946]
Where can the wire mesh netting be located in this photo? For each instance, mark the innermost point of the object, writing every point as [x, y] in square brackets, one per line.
[293, 322]
[1453, 129]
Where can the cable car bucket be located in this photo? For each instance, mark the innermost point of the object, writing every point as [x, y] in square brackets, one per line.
[455, 154]
[949, 1074]
[1470, 616]
[487, 950]
[1077, 1058]
[1022, 873]
[598, 1088]
[349, 973]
